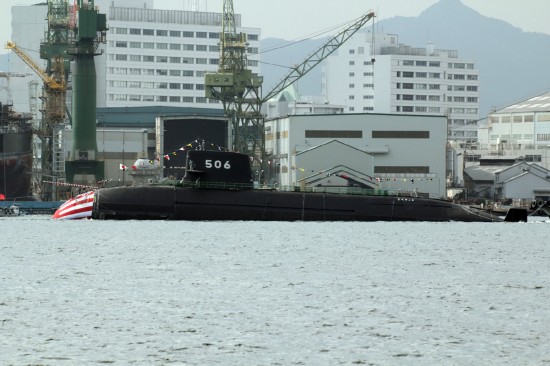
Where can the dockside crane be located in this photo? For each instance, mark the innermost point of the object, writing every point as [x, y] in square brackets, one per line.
[239, 89]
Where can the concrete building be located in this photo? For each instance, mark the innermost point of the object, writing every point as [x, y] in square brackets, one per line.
[385, 151]
[394, 78]
[152, 56]
[520, 130]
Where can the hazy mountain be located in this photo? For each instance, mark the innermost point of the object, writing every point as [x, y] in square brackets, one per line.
[513, 64]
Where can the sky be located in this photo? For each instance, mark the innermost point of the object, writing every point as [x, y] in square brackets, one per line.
[296, 19]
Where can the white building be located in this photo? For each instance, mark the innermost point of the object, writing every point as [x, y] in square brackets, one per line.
[386, 151]
[404, 80]
[522, 129]
[152, 56]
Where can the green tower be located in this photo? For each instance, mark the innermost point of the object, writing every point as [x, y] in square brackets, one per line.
[90, 31]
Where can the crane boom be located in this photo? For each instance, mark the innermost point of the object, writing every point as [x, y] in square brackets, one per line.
[318, 56]
[49, 81]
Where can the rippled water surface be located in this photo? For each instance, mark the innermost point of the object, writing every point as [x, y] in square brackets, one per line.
[273, 293]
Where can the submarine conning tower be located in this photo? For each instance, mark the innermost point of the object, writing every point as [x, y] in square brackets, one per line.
[218, 169]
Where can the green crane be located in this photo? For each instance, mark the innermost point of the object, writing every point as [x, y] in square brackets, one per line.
[90, 30]
[239, 89]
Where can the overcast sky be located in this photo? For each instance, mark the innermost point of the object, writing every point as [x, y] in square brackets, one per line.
[293, 19]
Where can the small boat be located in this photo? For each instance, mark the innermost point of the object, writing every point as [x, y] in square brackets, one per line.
[218, 185]
[12, 210]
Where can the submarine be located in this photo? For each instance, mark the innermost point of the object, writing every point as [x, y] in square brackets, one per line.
[218, 185]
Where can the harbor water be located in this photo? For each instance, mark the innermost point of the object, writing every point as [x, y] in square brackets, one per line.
[273, 293]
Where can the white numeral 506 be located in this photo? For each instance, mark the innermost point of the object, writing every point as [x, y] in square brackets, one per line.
[218, 164]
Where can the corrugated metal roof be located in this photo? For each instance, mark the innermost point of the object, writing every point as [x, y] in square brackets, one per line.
[539, 103]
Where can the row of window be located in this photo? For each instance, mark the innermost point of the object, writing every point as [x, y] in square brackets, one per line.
[462, 122]
[520, 118]
[422, 86]
[358, 134]
[352, 74]
[519, 136]
[365, 97]
[436, 75]
[427, 109]
[173, 60]
[153, 72]
[450, 65]
[365, 63]
[172, 46]
[437, 98]
[366, 85]
[153, 85]
[365, 109]
[172, 33]
[159, 98]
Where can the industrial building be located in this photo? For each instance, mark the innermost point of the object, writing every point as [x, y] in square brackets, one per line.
[152, 56]
[395, 78]
[386, 151]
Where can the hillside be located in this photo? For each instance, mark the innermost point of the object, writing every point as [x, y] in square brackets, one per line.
[513, 64]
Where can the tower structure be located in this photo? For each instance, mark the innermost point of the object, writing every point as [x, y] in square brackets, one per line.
[90, 30]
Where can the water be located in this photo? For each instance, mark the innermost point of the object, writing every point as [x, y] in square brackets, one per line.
[273, 293]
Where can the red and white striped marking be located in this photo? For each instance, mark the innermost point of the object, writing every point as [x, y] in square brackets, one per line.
[76, 208]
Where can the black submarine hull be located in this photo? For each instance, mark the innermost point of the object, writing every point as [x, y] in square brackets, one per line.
[184, 203]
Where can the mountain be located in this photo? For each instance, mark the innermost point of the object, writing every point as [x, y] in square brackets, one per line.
[513, 64]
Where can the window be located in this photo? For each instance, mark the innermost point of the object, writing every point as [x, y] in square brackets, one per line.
[187, 86]
[201, 61]
[201, 34]
[458, 76]
[121, 30]
[187, 99]
[216, 49]
[459, 99]
[188, 47]
[175, 46]
[187, 72]
[400, 134]
[148, 85]
[148, 32]
[134, 98]
[408, 97]
[135, 31]
[368, 96]
[421, 75]
[175, 33]
[518, 119]
[162, 59]
[162, 98]
[200, 100]
[148, 98]
[162, 85]
[352, 52]
[352, 97]
[148, 45]
[199, 87]
[472, 99]
[368, 85]
[202, 47]
[162, 72]
[134, 84]
[435, 64]
[135, 58]
[408, 63]
[407, 109]
[434, 75]
[421, 86]
[351, 63]
[121, 44]
[175, 60]
[121, 57]
[253, 37]
[421, 63]
[434, 86]
[215, 35]
[162, 33]
[187, 60]
[135, 44]
[148, 58]
[408, 74]
[434, 109]
[175, 86]
[420, 109]
[528, 118]
[408, 86]
[162, 46]
[471, 88]
[472, 77]
[402, 169]
[434, 98]
[354, 134]
[187, 34]
[421, 97]
[351, 86]
[351, 74]
[175, 73]
[175, 99]
[134, 71]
